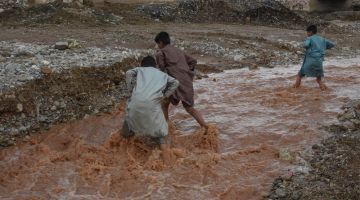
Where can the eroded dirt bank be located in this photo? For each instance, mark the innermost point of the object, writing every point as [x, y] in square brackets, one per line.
[257, 117]
[60, 97]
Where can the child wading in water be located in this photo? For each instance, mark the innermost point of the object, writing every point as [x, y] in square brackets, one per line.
[316, 47]
[144, 115]
[181, 66]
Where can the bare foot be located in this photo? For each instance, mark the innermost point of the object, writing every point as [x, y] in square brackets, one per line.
[298, 82]
[163, 147]
[296, 85]
[206, 129]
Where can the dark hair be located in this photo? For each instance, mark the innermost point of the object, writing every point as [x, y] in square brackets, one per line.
[148, 61]
[312, 29]
[163, 37]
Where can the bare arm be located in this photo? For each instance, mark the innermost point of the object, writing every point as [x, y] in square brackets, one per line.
[172, 85]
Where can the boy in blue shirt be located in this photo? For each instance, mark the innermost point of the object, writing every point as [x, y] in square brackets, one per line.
[316, 47]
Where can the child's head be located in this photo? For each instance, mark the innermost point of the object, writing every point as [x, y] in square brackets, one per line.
[162, 39]
[148, 61]
[311, 30]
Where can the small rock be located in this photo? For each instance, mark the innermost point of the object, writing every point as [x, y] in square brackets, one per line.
[56, 103]
[46, 70]
[53, 108]
[113, 99]
[280, 193]
[27, 138]
[19, 107]
[253, 67]
[109, 102]
[61, 45]
[296, 195]
[247, 20]
[22, 129]
[45, 62]
[284, 154]
[43, 119]
[346, 48]
[316, 147]
[238, 57]
[349, 125]
[62, 105]
[14, 131]
[34, 67]
[34, 61]
[2, 10]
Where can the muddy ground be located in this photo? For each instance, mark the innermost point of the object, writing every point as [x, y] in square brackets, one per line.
[47, 87]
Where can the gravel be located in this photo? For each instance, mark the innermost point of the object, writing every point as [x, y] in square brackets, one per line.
[21, 62]
[264, 12]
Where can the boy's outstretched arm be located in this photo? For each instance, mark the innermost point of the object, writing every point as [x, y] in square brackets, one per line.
[190, 61]
[329, 44]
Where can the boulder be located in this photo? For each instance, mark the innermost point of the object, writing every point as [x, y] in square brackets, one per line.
[61, 45]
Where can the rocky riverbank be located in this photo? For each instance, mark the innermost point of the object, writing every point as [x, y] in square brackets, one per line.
[61, 97]
[334, 164]
[41, 85]
[270, 13]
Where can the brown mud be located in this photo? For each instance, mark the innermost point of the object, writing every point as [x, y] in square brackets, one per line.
[256, 116]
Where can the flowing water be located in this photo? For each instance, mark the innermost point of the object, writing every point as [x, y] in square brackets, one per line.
[254, 115]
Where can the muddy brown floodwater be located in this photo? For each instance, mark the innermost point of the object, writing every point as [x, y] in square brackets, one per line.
[254, 115]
